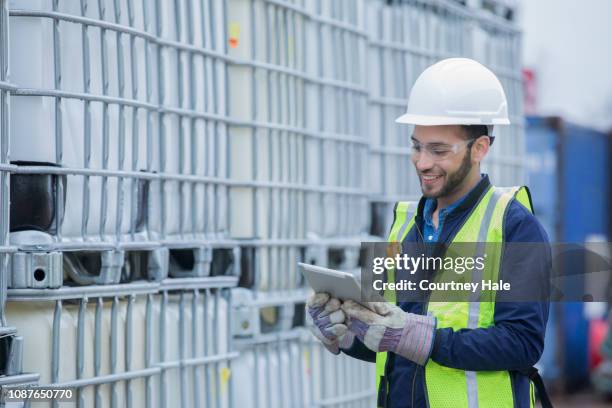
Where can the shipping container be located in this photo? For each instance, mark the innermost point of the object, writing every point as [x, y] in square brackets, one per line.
[569, 170]
[542, 145]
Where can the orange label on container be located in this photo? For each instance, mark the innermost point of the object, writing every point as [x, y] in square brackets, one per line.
[234, 34]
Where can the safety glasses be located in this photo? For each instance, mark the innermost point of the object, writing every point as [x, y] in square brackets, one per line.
[437, 151]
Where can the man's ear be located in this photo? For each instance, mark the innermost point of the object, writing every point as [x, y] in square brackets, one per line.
[480, 148]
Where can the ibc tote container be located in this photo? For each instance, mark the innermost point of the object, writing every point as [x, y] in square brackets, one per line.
[299, 154]
[82, 135]
[336, 48]
[297, 371]
[87, 106]
[405, 38]
[267, 149]
[298, 151]
[127, 132]
[9, 344]
[194, 140]
[497, 44]
[130, 344]
[299, 106]
[111, 161]
[267, 145]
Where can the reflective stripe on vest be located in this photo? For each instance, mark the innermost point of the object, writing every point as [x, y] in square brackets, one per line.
[448, 386]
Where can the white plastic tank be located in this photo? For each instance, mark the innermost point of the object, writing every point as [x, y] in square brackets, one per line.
[193, 85]
[34, 321]
[277, 268]
[268, 150]
[35, 128]
[299, 372]
[214, 377]
[121, 129]
[271, 375]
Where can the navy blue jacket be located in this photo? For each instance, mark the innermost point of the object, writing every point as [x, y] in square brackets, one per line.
[516, 340]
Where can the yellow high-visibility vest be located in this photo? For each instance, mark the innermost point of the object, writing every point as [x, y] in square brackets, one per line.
[445, 386]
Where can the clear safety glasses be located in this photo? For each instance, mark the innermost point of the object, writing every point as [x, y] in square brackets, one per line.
[437, 151]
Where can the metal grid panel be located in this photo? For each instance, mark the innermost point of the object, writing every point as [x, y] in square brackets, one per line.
[291, 369]
[298, 94]
[139, 125]
[116, 121]
[133, 136]
[164, 341]
[281, 122]
[194, 141]
[266, 87]
[292, 104]
[338, 381]
[404, 38]
[5, 248]
[90, 110]
[336, 48]
[499, 48]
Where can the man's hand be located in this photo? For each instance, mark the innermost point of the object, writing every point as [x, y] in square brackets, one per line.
[329, 322]
[386, 327]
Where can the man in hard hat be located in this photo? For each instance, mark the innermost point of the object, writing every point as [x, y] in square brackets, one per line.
[476, 353]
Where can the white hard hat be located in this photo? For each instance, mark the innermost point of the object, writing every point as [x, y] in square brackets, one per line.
[456, 91]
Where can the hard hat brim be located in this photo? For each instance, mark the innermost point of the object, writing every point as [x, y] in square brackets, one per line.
[427, 120]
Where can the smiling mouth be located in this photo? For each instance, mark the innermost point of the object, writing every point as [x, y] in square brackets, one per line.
[429, 179]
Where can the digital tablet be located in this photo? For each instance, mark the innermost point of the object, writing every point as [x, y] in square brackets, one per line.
[338, 284]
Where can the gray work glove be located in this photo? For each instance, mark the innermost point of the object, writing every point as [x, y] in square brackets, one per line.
[328, 322]
[386, 327]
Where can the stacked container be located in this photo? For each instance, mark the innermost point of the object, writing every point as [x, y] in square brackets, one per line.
[10, 342]
[299, 158]
[296, 83]
[125, 140]
[296, 371]
[163, 152]
[405, 37]
[497, 44]
[268, 206]
[137, 344]
[119, 197]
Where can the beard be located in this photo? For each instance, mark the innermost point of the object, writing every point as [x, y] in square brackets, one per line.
[454, 179]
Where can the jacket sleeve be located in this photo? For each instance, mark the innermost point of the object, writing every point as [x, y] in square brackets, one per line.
[516, 339]
[359, 351]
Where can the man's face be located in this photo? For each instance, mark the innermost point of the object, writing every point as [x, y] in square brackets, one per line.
[442, 159]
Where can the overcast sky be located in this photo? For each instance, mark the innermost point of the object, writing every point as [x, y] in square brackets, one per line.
[569, 46]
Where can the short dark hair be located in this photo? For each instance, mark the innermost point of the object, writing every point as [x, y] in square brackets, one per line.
[473, 132]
